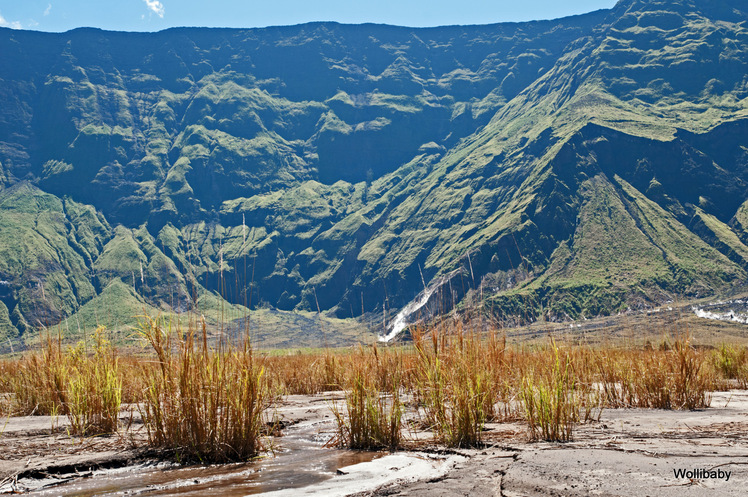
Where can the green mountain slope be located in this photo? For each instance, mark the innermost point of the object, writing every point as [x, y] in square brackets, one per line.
[556, 169]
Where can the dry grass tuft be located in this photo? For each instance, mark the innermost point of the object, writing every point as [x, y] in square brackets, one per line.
[556, 397]
[453, 384]
[84, 385]
[202, 403]
[94, 389]
[731, 363]
[674, 377]
[374, 410]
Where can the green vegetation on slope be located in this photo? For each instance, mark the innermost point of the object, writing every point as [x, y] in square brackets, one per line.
[558, 169]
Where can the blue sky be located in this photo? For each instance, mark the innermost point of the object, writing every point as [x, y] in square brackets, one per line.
[154, 15]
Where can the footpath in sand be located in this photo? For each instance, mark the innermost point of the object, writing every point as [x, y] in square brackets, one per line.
[630, 452]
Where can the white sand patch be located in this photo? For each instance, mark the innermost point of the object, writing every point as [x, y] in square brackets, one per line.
[371, 475]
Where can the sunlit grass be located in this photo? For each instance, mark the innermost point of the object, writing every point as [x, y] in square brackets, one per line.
[453, 384]
[673, 377]
[557, 396]
[94, 389]
[210, 401]
[84, 384]
[373, 415]
[203, 403]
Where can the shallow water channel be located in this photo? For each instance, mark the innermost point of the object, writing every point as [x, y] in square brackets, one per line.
[300, 459]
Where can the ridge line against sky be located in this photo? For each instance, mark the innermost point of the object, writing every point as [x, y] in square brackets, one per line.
[156, 15]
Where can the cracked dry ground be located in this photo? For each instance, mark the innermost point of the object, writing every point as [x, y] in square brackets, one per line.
[629, 452]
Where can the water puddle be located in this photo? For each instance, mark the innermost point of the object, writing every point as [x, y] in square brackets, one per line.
[300, 460]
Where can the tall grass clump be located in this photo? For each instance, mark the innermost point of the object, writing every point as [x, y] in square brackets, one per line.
[8, 368]
[693, 382]
[85, 385]
[94, 388]
[554, 399]
[203, 403]
[731, 363]
[374, 410]
[674, 377]
[453, 386]
[306, 373]
[8, 372]
[39, 384]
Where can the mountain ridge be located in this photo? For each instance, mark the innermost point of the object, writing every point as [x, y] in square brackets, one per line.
[354, 166]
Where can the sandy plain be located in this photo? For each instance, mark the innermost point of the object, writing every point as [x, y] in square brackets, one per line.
[629, 452]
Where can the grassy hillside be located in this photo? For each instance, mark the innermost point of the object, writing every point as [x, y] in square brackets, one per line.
[556, 169]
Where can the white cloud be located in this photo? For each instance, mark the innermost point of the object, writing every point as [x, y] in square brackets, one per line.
[156, 7]
[48, 9]
[9, 24]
